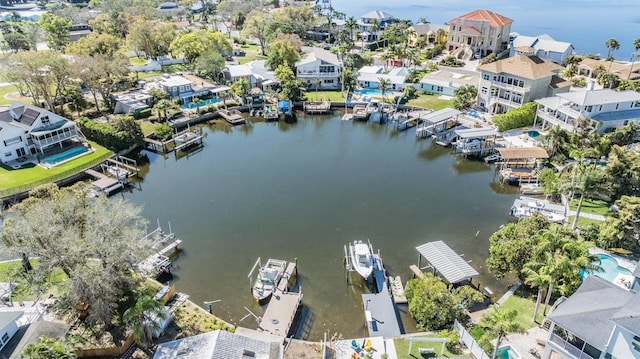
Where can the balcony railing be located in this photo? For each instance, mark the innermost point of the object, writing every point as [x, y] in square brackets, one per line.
[554, 120]
[511, 88]
[54, 139]
[504, 101]
[317, 74]
[568, 348]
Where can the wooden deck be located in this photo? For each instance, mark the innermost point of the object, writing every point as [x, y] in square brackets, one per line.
[397, 290]
[282, 308]
[103, 182]
[233, 117]
[317, 107]
[360, 112]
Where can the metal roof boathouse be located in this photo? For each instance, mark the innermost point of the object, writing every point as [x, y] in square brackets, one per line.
[445, 261]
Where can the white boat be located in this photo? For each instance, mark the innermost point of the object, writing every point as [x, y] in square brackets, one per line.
[185, 137]
[268, 277]
[118, 172]
[554, 217]
[492, 157]
[361, 258]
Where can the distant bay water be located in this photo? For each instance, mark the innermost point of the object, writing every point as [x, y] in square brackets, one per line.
[587, 24]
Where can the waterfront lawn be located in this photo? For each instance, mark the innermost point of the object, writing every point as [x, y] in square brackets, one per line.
[430, 101]
[147, 127]
[402, 348]
[524, 303]
[584, 221]
[336, 96]
[594, 206]
[12, 271]
[4, 91]
[34, 175]
[148, 74]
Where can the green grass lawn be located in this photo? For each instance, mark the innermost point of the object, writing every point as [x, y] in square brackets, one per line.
[402, 348]
[146, 75]
[4, 90]
[147, 127]
[431, 101]
[595, 206]
[137, 61]
[12, 270]
[337, 96]
[24, 179]
[582, 221]
[524, 303]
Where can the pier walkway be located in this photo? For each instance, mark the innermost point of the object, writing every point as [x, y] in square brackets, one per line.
[103, 182]
[233, 117]
[282, 308]
[317, 107]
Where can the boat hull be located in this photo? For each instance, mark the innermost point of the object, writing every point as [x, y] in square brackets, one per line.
[361, 259]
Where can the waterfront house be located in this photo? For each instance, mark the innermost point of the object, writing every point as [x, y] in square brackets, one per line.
[625, 70]
[187, 87]
[319, 65]
[545, 47]
[255, 72]
[603, 109]
[219, 344]
[428, 34]
[28, 130]
[366, 25]
[132, 101]
[369, 77]
[601, 320]
[445, 81]
[480, 32]
[508, 83]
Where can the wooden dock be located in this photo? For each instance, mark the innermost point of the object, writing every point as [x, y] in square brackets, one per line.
[283, 306]
[165, 246]
[103, 182]
[126, 163]
[397, 290]
[315, 107]
[360, 112]
[186, 139]
[233, 117]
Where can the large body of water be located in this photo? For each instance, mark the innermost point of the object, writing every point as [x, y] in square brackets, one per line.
[304, 191]
[587, 24]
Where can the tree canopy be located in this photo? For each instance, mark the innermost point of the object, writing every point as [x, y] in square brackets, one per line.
[193, 44]
[281, 52]
[95, 241]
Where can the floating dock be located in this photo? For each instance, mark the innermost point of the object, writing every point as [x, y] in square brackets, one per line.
[283, 306]
[315, 107]
[233, 117]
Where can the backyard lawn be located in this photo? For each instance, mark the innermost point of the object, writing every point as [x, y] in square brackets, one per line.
[23, 179]
[433, 102]
[524, 303]
[12, 271]
[4, 90]
[402, 348]
[595, 206]
[336, 96]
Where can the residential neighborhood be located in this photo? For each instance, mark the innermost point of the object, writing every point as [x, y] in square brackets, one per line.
[341, 185]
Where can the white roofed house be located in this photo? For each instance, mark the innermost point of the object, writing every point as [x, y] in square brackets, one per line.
[545, 47]
[445, 82]
[319, 65]
[606, 109]
[27, 130]
[601, 320]
[369, 32]
[369, 77]
[509, 83]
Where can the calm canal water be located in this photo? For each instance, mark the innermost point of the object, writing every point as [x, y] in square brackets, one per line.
[587, 24]
[304, 191]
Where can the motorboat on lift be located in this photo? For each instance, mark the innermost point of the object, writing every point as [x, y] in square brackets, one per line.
[267, 281]
[362, 259]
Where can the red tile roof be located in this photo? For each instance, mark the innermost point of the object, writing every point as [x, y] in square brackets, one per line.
[481, 14]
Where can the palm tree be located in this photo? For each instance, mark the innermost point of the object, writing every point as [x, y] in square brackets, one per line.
[636, 48]
[161, 107]
[612, 45]
[351, 24]
[503, 322]
[197, 100]
[585, 179]
[317, 82]
[384, 85]
[538, 278]
[571, 71]
[141, 318]
[375, 27]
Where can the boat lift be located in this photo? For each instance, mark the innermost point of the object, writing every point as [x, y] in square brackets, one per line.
[348, 262]
[257, 264]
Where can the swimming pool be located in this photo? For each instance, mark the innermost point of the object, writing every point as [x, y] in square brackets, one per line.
[533, 134]
[64, 156]
[507, 352]
[610, 268]
[372, 92]
[474, 113]
[201, 103]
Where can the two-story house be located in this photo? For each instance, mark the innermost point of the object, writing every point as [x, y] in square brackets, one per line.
[481, 32]
[29, 130]
[372, 24]
[187, 87]
[601, 320]
[545, 47]
[603, 109]
[511, 82]
[319, 68]
[427, 34]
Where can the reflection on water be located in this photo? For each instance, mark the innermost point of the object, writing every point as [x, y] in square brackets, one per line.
[303, 190]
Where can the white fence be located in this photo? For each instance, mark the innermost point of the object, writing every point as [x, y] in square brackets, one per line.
[469, 342]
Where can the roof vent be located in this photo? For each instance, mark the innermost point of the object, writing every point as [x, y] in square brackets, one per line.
[247, 354]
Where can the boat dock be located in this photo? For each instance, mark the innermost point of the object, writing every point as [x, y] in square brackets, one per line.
[283, 306]
[233, 117]
[397, 290]
[381, 316]
[165, 245]
[360, 112]
[186, 139]
[527, 206]
[434, 122]
[315, 107]
[104, 183]
[270, 112]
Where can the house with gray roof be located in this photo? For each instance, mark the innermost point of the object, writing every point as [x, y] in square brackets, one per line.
[219, 344]
[27, 130]
[600, 320]
[320, 68]
[544, 46]
[369, 33]
[603, 109]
